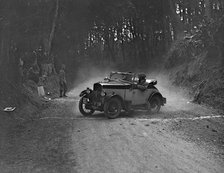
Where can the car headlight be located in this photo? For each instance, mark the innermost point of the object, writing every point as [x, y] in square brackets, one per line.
[88, 91]
[103, 93]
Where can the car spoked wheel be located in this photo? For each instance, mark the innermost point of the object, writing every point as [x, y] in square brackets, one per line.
[112, 108]
[155, 104]
[82, 107]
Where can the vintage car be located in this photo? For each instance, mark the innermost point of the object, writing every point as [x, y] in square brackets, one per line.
[120, 91]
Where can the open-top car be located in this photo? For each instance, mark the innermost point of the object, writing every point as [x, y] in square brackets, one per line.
[121, 91]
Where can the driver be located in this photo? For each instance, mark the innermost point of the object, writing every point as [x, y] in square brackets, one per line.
[142, 84]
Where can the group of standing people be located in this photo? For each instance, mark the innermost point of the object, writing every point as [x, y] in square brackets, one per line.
[35, 73]
[62, 83]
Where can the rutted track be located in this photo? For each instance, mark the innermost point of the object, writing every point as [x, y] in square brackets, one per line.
[62, 140]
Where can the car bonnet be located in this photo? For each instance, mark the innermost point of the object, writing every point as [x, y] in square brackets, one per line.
[115, 85]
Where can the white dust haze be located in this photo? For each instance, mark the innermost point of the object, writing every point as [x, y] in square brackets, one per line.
[87, 76]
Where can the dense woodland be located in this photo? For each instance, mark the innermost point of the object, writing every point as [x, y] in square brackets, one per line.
[126, 32]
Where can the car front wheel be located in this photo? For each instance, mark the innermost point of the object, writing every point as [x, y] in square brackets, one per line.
[82, 107]
[112, 108]
[154, 104]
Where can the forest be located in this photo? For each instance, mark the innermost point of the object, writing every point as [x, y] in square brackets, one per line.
[121, 33]
[172, 122]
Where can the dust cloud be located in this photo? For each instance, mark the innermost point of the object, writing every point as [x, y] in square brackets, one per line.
[178, 98]
[86, 77]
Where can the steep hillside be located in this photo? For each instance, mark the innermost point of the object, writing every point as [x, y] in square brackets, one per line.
[25, 97]
[196, 63]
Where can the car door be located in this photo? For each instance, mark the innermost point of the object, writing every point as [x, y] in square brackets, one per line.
[140, 97]
[136, 96]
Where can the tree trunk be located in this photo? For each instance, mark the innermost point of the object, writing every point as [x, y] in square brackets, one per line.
[53, 28]
[177, 24]
[123, 51]
[208, 8]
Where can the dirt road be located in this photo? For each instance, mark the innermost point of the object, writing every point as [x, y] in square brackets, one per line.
[59, 139]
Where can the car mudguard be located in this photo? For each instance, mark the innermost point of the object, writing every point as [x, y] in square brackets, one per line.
[108, 97]
[85, 92]
[156, 93]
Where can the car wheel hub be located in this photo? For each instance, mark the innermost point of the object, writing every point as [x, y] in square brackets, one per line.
[113, 108]
[154, 106]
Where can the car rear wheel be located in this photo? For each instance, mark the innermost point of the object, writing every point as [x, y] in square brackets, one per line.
[154, 104]
[82, 107]
[112, 108]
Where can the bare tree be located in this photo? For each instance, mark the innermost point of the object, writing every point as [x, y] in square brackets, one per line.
[208, 4]
[54, 23]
